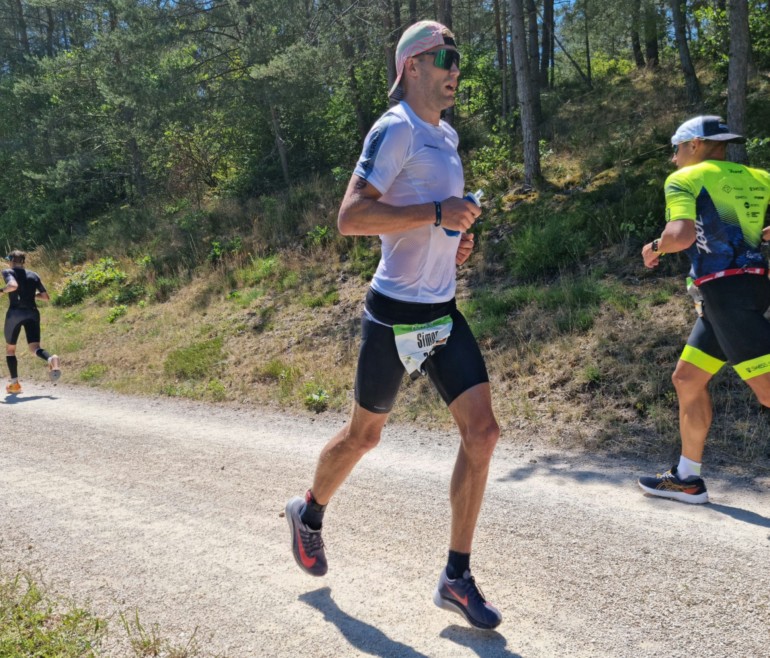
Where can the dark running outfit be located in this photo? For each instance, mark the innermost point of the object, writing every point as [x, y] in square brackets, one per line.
[410, 161]
[22, 310]
[728, 202]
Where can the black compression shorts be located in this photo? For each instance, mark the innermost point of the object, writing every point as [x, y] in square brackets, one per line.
[16, 318]
[733, 327]
[453, 369]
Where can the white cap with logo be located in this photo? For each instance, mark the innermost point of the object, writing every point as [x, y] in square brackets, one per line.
[710, 127]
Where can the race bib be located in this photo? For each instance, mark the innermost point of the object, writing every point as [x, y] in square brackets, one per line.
[416, 342]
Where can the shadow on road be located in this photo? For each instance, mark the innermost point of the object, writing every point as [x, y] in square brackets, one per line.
[15, 399]
[578, 475]
[488, 644]
[368, 639]
[543, 467]
[741, 514]
[364, 637]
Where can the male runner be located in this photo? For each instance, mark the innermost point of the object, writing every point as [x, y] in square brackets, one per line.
[407, 188]
[715, 212]
[24, 288]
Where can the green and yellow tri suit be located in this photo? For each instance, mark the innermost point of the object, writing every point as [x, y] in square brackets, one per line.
[728, 203]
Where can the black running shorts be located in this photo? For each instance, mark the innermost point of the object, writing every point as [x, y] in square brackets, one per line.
[453, 369]
[733, 327]
[16, 318]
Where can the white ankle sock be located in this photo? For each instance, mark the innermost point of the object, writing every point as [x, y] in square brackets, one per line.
[687, 467]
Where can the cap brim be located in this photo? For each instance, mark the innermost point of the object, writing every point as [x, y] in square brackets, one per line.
[726, 137]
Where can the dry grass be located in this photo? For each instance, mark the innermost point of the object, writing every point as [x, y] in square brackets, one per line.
[606, 387]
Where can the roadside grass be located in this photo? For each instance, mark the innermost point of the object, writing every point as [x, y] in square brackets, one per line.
[35, 622]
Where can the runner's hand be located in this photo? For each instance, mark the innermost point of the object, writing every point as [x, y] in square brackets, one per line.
[464, 248]
[651, 258]
[458, 214]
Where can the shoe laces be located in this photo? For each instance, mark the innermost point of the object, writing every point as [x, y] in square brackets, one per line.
[312, 541]
[473, 589]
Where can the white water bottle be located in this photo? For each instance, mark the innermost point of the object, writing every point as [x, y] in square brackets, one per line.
[474, 198]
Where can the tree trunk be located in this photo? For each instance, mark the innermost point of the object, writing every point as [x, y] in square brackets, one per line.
[572, 61]
[587, 42]
[280, 145]
[636, 44]
[445, 18]
[21, 27]
[529, 129]
[445, 12]
[513, 92]
[393, 26]
[412, 12]
[737, 75]
[502, 61]
[534, 57]
[694, 98]
[651, 34]
[50, 27]
[546, 46]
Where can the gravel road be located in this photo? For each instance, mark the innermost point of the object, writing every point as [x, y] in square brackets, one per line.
[175, 509]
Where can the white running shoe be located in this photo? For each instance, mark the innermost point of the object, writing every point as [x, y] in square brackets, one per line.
[54, 372]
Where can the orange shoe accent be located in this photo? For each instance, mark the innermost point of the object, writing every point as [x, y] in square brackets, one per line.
[13, 388]
[461, 599]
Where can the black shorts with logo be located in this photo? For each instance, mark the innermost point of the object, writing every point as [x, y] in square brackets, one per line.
[453, 369]
[733, 327]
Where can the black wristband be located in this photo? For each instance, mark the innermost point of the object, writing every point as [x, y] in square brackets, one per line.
[438, 213]
[654, 245]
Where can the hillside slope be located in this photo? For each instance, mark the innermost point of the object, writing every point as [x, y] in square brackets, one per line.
[580, 338]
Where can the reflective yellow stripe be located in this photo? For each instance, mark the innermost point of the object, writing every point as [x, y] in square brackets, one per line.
[754, 367]
[701, 360]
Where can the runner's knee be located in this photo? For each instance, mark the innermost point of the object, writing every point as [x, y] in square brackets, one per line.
[481, 440]
[362, 440]
[684, 382]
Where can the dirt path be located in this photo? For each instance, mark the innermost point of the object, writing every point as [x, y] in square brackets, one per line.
[175, 509]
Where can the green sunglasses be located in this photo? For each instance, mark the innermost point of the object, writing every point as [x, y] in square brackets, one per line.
[444, 59]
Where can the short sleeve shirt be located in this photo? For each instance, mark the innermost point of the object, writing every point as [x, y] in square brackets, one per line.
[411, 161]
[29, 285]
[728, 202]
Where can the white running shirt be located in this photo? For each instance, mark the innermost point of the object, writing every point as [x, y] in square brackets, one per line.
[411, 161]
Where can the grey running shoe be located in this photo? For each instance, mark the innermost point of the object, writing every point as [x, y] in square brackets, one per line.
[668, 485]
[306, 543]
[463, 596]
[54, 372]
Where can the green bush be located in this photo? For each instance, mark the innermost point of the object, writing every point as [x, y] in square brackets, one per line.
[88, 281]
[316, 399]
[117, 312]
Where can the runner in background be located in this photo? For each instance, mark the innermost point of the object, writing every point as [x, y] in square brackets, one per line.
[24, 288]
[716, 213]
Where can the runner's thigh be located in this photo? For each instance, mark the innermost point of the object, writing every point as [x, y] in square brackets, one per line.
[380, 370]
[735, 306]
[459, 365]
